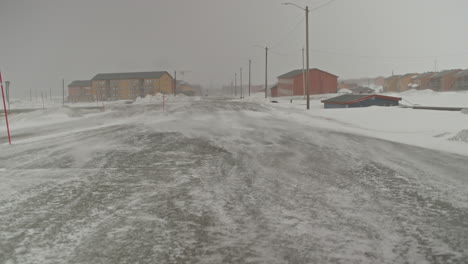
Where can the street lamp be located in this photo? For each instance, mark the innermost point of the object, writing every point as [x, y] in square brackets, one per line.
[306, 9]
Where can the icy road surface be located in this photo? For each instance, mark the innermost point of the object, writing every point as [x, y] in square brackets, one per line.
[219, 181]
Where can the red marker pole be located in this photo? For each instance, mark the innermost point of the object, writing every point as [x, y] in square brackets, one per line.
[5, 109]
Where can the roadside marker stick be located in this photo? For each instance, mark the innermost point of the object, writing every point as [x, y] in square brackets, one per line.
[5, 109]
[163, 102]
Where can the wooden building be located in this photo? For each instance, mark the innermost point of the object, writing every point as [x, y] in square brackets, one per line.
[130, 85]
[292, 83]
[80, 91]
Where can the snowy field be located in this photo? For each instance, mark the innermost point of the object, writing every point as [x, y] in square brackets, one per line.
[218, 180]
[439, 130]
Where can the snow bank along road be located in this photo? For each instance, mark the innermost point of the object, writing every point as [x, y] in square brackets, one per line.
[219, 181]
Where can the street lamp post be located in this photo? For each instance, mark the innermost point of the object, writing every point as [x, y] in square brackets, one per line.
[306, 9]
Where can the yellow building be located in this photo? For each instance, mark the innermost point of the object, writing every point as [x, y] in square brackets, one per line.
[130, 85]
[391, 84]
[404, 82]
[80, 91]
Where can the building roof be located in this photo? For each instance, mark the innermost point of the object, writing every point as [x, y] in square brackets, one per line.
[393, 77]
[444, 73]
[80, 83]
[129, 75]
[294, 73]
[423, 75]
[408, 75]
[461, 74]
[354, 98]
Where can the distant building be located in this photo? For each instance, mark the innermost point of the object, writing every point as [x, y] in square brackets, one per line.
[257, 88]
[461, 81]
[355, 100]
[362, 90]
[344, 85]
[420, 81]
[379, 81]
[404, 81]
[292, 83]
[391, 84]
[185, 88]
[274, 91]
[130, 85]
[80, 91]
[443, 81]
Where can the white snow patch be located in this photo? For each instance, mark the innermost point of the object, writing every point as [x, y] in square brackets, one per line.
[424, 128]
[345, 91]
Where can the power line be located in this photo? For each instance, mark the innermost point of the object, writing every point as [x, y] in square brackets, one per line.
[318, 7]
[296, 26]
[287, 35]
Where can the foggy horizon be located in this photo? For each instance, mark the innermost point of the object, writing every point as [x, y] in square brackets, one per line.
[46, 41]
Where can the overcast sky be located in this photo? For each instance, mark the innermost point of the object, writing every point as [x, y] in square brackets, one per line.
[43, 41]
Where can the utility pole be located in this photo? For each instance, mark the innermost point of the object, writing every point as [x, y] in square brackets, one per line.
[307, 52]
[63, 93]
[5, 110]
[266, 72]
[250, 63]
[232, 88]
[241, 82]
[303, 75]
[175, 83]
[235, 84]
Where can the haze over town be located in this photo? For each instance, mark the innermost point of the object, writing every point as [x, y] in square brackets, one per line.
[45, 41]
[137, 132]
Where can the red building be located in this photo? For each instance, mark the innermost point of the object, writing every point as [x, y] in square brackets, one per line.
[292, 83]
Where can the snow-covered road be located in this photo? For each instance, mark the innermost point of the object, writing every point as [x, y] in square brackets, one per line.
[220, 181]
